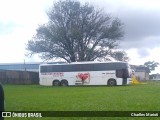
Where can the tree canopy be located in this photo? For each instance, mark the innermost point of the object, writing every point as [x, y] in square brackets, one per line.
[120, 56]
[151, 65]
[76, 32]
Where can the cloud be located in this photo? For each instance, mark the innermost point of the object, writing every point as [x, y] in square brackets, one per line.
[140, 18]
[12, 47]
[143, 52]
[140, 56]
[20, 18]
[141, 30]
[148, 42]
[141, 24]
[7, 28]
[18, 22]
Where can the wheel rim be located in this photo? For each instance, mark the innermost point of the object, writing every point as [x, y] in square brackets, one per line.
[56, 83]
[112, 82]
[64, 83]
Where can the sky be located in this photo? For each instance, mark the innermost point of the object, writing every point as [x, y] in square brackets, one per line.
[19, 20]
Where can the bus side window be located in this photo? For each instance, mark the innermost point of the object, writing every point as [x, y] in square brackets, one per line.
[99, 67]
[49, 68]
[119, 73]
[76, 68]
[67, 68]
[57, 68]
[43, 69]
[88, 67]
[122, 73]
[125, 73]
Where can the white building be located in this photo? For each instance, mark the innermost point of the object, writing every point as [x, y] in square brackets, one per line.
[141, 72]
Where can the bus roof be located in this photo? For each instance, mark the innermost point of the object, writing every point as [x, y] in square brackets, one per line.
[85, 62]
[88, 62]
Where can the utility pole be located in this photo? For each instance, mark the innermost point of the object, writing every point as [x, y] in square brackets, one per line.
[24, 65]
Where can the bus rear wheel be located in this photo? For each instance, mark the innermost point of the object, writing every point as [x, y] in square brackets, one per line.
[111, 82]
[56, 83]
[64, 83]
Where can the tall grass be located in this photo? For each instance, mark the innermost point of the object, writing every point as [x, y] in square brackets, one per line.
[88, 98]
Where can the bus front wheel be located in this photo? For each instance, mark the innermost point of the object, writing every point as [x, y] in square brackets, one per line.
[56, 83]
[111, 82]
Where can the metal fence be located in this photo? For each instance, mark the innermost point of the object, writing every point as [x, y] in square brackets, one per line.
[19, 77]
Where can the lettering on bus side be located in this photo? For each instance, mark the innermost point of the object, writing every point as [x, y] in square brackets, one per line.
[109, 73]
[58, 74]
[54, 74]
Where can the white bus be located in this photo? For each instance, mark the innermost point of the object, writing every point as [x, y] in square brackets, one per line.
[85, 73]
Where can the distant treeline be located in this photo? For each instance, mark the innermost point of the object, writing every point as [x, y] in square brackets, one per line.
[18, 77]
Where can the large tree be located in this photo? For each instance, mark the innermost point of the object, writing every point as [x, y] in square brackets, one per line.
[76, 32]
[151, 65]
[117, 55]
[120, 56]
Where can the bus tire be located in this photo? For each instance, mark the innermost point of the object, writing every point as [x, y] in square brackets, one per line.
[111, 82]
[64, 82]
[56, 83]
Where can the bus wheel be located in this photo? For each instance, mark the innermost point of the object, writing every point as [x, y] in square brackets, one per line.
[56, 83]
[64, 83]
[111, 82]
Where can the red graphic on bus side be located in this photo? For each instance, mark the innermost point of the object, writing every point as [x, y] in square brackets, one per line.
[83, 76]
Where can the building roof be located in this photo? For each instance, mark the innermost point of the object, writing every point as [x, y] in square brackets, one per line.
[31, 66]
[140, 68]
[20, 66]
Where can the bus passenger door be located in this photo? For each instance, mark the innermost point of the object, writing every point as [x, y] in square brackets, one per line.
[122, 73]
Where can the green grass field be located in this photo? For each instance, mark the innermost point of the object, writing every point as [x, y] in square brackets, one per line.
[144, 97]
